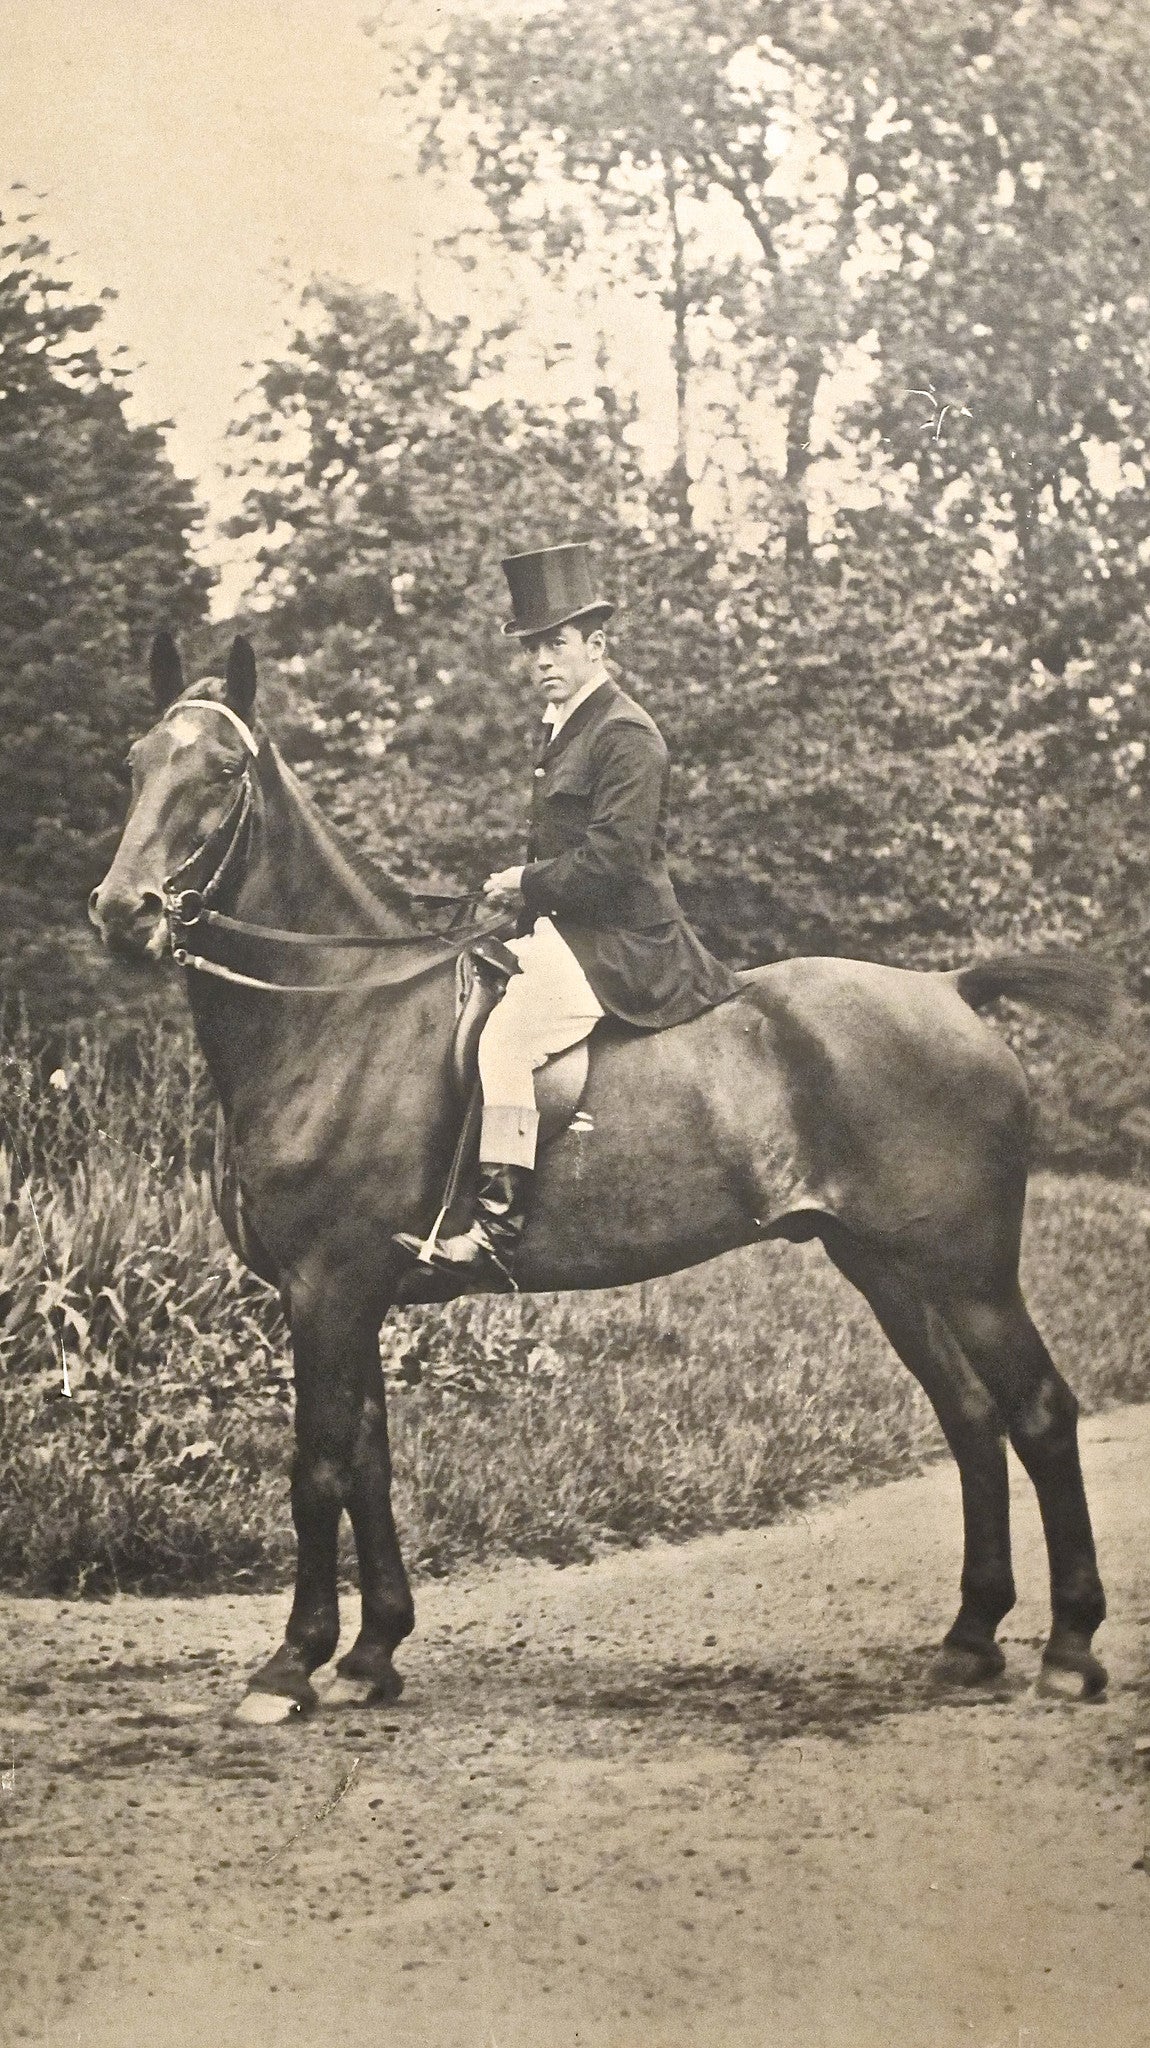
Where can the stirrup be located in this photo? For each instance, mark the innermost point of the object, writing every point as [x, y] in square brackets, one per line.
[428, 1255]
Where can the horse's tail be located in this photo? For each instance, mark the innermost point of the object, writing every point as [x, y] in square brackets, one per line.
[1063, 983]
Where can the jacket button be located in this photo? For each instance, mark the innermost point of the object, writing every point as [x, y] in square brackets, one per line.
[541, 771]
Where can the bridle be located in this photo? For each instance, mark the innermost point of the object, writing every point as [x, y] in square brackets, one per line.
[191, 891]
[184, 907]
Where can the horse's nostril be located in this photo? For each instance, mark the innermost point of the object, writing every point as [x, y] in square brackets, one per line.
[125, 918]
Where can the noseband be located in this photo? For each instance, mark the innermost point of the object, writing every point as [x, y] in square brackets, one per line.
[189, 902]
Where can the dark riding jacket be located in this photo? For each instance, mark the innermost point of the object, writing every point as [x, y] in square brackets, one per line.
[597, 866]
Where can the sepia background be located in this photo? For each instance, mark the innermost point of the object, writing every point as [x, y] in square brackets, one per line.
[828, 323]
[829, 326]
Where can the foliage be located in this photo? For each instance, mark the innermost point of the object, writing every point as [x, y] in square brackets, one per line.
[538, 1426]
[900, 255]
[812, 791]
[95, 533]
[898, 664]
[887, 604]
[937, 200]
[388, 481]
[112, 1271]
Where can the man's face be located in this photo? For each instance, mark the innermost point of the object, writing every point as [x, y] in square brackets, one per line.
[562, 661]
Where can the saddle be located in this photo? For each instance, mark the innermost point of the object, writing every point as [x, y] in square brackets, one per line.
[482, 977]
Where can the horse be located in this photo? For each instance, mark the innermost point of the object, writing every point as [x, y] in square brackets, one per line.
[867, 1107]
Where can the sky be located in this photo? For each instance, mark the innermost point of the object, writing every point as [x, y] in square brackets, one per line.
[204, 158]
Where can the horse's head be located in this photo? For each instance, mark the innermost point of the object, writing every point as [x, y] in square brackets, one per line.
[187, 777]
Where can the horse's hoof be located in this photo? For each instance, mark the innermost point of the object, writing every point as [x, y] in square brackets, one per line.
[1071, 1675]
[267, 1710]
[965, 1664]
[378, 1685]
[361, 1692]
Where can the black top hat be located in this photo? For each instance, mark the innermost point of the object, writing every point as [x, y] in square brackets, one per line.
[552, 587]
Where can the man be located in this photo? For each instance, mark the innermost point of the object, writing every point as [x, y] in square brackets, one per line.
[602, 931]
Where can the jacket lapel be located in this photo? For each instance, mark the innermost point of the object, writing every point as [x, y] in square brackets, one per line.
[582, 716]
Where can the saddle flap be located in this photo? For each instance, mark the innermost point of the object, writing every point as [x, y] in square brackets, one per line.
[480, 980]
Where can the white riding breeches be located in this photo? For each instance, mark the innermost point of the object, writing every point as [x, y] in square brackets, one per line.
[548, 1007]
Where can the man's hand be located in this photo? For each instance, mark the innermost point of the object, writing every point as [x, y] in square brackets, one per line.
[505, 883]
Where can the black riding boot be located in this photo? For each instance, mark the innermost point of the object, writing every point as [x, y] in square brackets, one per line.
[487, 1249]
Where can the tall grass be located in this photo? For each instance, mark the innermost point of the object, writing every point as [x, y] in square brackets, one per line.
[542, 1426]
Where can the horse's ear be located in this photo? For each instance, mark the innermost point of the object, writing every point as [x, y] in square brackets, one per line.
[166, 671]
[241, 678]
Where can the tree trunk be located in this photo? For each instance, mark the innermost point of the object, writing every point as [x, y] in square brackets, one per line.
[808, 370]
[679, 479]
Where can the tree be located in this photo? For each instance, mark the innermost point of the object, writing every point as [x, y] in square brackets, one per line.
[906, 234]
[95, 548]
[1009, 172]
[388, 477]
[943, 206]
[814, 769]
[837, 787]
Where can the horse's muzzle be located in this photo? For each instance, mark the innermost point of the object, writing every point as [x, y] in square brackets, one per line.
[133, 927]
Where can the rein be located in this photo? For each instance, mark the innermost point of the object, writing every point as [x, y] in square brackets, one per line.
[188, 909]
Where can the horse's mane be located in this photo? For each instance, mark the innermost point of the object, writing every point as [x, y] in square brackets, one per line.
[386, 898]
[385, 886]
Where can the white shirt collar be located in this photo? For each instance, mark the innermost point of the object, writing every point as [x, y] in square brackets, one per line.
[556, 715]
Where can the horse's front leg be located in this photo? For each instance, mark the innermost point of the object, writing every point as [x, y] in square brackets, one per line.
[367, 1675]
[334, 1351]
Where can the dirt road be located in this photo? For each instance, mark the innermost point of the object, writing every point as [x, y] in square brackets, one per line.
[681, 1796]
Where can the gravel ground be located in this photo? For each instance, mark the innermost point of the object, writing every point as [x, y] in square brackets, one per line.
[682, 1796]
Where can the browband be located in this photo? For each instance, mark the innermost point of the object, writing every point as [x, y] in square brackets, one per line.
[225, 711]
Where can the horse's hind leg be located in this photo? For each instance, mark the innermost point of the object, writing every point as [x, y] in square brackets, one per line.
[974, 1431]
[367, 1674]
[1041, 1415]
